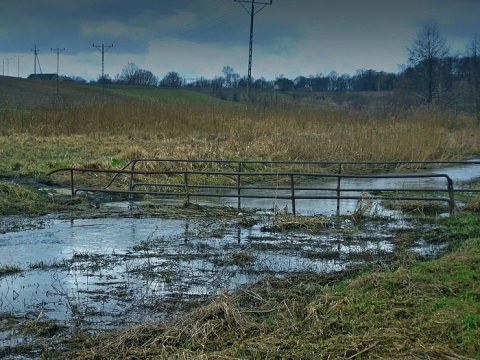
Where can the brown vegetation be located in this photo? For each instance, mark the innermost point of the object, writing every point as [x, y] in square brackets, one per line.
[110, 131]
[427, 310]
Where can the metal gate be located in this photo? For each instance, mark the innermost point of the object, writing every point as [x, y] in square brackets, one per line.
[242, 179]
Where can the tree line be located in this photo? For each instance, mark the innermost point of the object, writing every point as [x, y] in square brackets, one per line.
[432, 76]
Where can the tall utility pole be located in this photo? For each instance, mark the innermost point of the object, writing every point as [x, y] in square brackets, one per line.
[7, 60]
[252, 14]
[103, 49]
[58, 51]
[18, 64]
[35, 60]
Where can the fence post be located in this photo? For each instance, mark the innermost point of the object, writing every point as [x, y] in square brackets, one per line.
[451, 203]
[338, 188]
[71, 183]
[292, 187]
[239, 184]
[187, 190]
[130, 183]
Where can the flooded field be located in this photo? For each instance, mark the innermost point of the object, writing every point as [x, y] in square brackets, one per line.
[105, 273]
[122, 266]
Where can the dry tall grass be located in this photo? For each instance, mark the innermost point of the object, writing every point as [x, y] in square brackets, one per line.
[96, 133]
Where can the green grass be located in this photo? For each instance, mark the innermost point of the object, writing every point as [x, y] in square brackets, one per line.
[21, 199]
[464, 226]
[169, 95]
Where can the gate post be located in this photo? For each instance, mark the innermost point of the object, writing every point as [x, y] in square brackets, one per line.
[338, 188]
[130, 184]
[292, 187]
[239, 170]
[451, 202]
[187, 191]
[71, 183]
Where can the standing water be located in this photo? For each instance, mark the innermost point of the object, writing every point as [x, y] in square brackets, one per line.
[103, 273]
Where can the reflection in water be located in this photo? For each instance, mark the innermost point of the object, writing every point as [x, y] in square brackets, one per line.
[114, 271]
[97, 270]
[459, 175]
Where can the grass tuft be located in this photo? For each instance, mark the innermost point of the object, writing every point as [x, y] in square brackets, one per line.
[7, 269]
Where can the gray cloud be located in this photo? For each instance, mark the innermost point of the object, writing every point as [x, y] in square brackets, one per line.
[310, 35]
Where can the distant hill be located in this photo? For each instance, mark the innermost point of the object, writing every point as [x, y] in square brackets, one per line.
[30, 93]
[34, 93]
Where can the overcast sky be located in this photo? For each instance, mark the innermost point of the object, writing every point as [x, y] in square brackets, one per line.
[199, 37]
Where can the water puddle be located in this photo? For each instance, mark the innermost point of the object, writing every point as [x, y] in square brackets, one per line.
[104, 273]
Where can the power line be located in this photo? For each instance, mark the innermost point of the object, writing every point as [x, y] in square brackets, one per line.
[6, 60]
[206, 14]
[18, 64]
[226, 17]
[205, 22]
[252, 14]
[58, 51]
[103, 49]
[36, 60]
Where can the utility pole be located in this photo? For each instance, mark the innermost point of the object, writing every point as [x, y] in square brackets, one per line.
[7, 60]
[252, 14]
[103, 49]
[18, 64]
[58, 51]
[35, 60]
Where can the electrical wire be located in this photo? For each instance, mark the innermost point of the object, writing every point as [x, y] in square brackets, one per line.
[206, 22]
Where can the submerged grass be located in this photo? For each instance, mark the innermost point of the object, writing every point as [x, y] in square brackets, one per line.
[8, 269]
[424, 310]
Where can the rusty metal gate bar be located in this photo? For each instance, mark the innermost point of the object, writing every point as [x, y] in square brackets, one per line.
[240, 164]
[293, 197]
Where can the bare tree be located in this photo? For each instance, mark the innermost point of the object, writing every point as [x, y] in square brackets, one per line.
[425, 54]
[171, 79]
[474, 54]
[129, 73]
[133, 75]
[333, 77]
[145, 78]
[231, 78]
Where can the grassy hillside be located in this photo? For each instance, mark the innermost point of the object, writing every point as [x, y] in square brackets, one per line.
[24, 93]
[19, 93]
[166, 95]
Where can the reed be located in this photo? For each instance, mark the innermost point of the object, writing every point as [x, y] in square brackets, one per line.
[108, 134]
